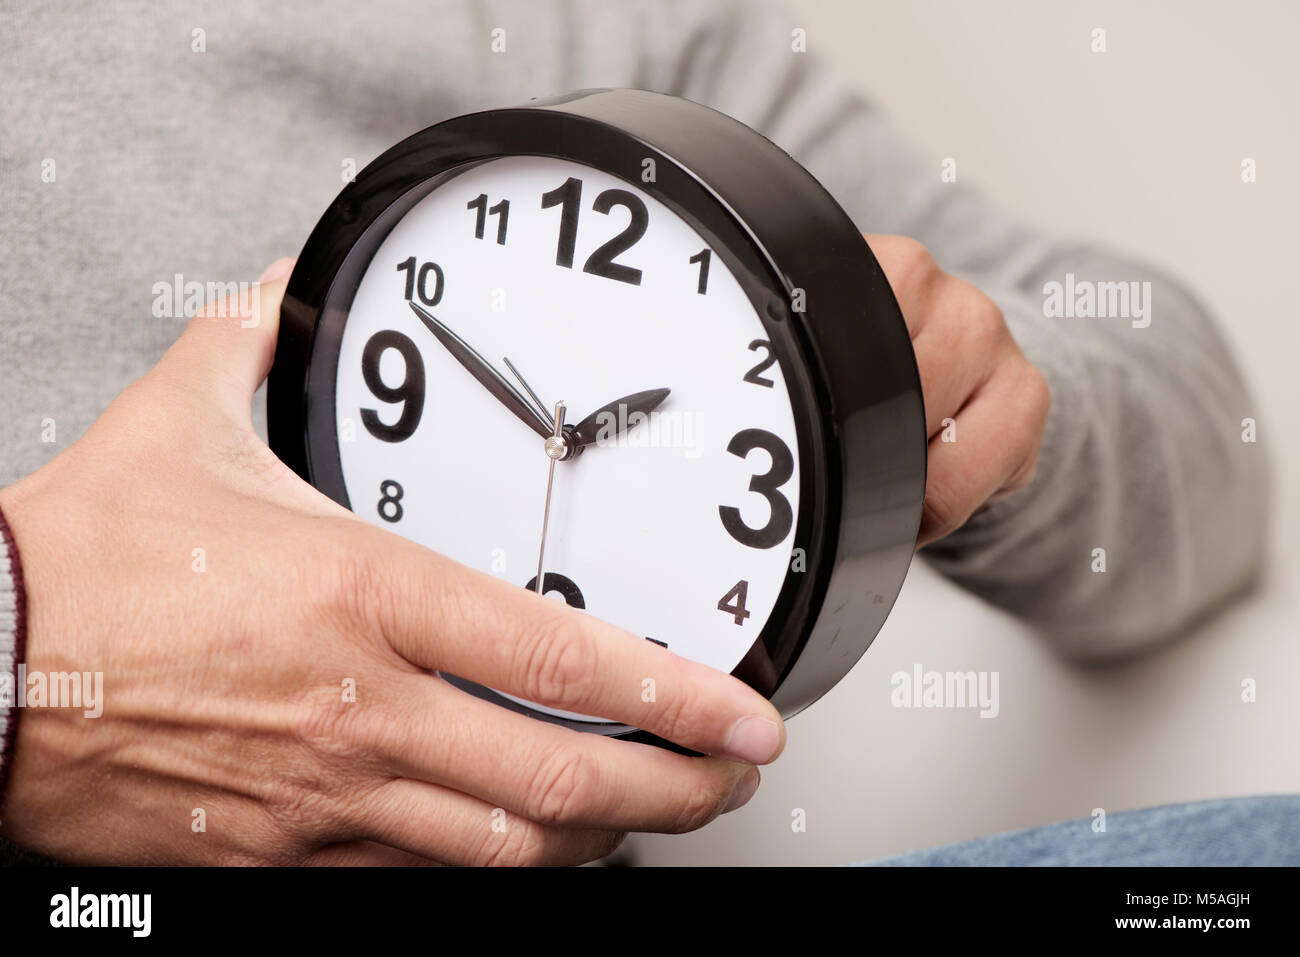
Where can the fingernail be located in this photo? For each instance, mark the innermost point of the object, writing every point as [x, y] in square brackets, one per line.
[754, 739]
[745, 789]
[277, 270]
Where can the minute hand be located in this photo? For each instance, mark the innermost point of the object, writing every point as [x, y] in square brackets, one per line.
[482, 370]
[590, 429]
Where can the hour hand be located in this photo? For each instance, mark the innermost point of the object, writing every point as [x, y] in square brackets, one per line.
[482, 370]
[613, 418]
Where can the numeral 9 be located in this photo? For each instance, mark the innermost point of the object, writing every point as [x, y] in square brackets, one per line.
[410, 391]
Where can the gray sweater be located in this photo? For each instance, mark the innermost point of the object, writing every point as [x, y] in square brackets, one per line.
[129, 155]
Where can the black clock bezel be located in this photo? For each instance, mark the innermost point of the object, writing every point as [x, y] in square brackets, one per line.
[847, 359]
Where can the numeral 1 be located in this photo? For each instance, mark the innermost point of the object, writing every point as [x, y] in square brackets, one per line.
[567, 196]
[702, 257]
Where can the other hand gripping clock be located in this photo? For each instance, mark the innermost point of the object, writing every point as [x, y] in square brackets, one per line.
[621, 349]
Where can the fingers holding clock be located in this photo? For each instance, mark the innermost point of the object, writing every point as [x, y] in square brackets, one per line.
[440, 615]
[986, 410]
[985, 404]
[957, 332]
[452, 827]
[958, 353]
[366, 854]
[989, 460]
[458, 760]
[551, 775]
[229, 345]
[911, 272]
[208, 378]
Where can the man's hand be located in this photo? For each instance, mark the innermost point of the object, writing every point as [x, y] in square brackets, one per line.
[978, 387]
[266, 660]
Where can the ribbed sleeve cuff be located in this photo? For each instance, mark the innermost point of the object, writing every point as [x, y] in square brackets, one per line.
[13, 635]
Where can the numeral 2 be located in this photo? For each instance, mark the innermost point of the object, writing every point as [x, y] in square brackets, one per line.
[753, 374]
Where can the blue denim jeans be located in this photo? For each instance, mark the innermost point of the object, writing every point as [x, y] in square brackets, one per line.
[1231, 832]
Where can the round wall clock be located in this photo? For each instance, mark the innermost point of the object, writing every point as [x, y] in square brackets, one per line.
[618, 348]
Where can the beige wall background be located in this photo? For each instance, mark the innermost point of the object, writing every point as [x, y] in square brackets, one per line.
[1139, 147]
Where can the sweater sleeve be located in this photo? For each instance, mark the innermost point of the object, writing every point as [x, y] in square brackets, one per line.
[13, 619]
[1148, 469]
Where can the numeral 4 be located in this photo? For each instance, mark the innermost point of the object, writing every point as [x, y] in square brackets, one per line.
[736, 608]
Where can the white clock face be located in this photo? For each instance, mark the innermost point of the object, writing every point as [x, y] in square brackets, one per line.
[677, 527]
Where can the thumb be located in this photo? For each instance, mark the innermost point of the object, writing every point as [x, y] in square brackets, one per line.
[228, 347]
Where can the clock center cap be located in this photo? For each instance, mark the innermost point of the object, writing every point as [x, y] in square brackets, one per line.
[556, 447]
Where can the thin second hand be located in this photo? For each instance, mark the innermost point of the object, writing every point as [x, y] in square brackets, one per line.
[555, 447]
[541, 408]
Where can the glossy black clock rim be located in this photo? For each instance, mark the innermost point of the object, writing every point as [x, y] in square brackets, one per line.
[846, 359]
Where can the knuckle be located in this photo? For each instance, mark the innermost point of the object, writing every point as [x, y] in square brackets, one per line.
[557, 661]
[288, 852]
[326, 724]
[941, 515]
[910, 252]
[1036, 399]
[522, 844]
[347, 586]
[701, 802]
[1025, 475]
[242, 857]
[985, 326]
[299, 810]
[339, 748]
[537, 845]
[608, 843]
[682, 713]
[1038, 395]
[561, 791]
[911, 263]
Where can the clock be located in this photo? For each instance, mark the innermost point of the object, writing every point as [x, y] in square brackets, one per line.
[620, 349]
